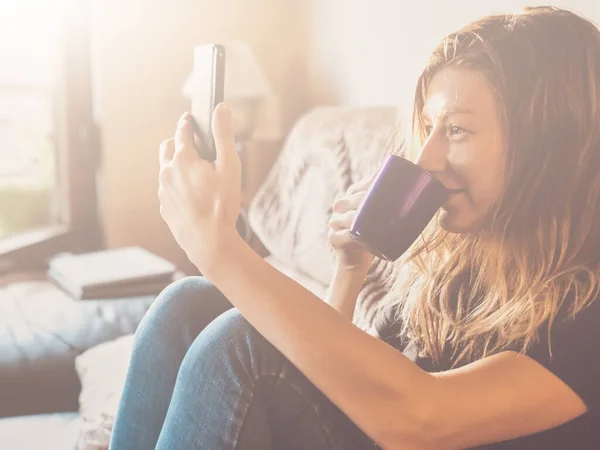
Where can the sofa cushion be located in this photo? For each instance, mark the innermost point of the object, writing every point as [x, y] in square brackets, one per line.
[42, 330]
[102, 371]
[328, 149]
[41, 431]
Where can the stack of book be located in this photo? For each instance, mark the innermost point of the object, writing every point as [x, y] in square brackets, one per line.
[121, 272]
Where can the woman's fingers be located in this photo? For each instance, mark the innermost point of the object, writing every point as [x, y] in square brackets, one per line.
[361, 185]
[184, 135]
[348, 202]
[222, 128]
[166, 151]
[353, 196]
[341, 238]
[341, 221]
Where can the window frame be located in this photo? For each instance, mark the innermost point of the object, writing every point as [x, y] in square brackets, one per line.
[78, 157]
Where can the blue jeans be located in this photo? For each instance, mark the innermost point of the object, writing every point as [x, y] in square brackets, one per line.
[201, 377]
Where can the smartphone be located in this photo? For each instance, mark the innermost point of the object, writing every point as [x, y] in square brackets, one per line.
[209, 86]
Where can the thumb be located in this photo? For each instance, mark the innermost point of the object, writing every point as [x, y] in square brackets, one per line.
[227, 156]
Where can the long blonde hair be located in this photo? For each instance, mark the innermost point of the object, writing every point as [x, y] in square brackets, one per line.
[463, 297]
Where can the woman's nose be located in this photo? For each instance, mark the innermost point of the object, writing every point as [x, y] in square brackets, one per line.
[434, 154]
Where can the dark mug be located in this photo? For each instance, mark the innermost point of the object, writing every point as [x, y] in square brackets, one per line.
[400, 203]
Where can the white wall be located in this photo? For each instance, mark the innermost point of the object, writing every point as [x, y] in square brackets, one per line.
[144, 51]
[366, 52]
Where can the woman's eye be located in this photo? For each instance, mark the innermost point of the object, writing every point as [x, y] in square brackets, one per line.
[455, 131]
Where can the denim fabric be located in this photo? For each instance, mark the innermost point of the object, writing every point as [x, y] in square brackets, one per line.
[201, 377]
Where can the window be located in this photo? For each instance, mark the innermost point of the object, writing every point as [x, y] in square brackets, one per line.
[48, 140]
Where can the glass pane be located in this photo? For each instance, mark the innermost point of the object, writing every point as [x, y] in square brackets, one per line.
[30, 35]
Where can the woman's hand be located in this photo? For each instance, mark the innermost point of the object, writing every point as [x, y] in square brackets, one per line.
[200, 200]
[350, 254]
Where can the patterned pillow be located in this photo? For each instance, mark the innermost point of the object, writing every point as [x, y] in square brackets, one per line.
[328, 149]
[102, 370]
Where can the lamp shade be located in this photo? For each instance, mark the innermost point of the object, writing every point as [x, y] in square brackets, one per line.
[244, 78]
[255, 107]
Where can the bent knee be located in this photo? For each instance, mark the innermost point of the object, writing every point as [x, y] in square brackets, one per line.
[231, 333]
[231, 346]
[191, 299]
[228, 337]
[187, 295]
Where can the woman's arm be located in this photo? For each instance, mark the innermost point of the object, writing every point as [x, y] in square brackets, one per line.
[390, 398]
[501, 397]
[375, 385]
[344, 289]
[352, 261]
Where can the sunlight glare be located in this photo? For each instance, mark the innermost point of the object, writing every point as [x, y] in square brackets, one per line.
[29, 33]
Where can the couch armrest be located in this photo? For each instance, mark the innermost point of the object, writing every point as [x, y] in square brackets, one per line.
[42, 330]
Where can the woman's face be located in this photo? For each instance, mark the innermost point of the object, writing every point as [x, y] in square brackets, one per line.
[465, 146]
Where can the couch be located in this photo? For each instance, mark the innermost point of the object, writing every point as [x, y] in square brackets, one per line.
[42, 333]
[328, 149]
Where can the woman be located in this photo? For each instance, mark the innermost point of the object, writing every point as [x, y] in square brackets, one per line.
[495, 313]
